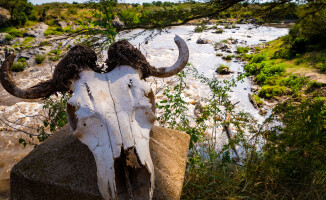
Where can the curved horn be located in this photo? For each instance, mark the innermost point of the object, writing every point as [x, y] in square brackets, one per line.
[178, 65]
[41, 90]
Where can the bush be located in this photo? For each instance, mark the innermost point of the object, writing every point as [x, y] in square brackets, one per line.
[200, 28]
[222, 68]
[258, 58]
[257, 99]
[295, 82]
[241, 50]
[39, 58]
[268, 91]
[19, 66]
[8, 38]
[322, 68]
[228, 57]
[219, 54]
[219, 31]
[45, 43]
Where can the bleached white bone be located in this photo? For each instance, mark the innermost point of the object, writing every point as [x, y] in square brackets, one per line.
[112, 114]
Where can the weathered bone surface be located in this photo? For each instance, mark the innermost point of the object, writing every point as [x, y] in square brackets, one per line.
[115, 117]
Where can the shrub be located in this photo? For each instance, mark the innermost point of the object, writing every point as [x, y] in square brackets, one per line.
[219, 54]
[322, 68]
[39, 58]
[45, 43]
[19, 66]
[8, 38]
[295, 82]
[54, 58]
[228, 57]
[268, 91]
[257, 99]
[243, 49]
[258, 58]
[222, 68]
[200, 28]
[219, 31]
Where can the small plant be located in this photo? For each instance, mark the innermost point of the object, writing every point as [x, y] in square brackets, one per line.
[242, 50]
[219, 31]
[268, 91]
[8, 38]
[219, 54]
[226, 26]
[45, 43]
[54, 55]
[222, 69]
[228, 57]
[257, 99]
[39, 58]
[200, 28]
[19, 66]
[234, 26]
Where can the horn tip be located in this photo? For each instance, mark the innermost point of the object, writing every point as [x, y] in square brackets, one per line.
[177, 38]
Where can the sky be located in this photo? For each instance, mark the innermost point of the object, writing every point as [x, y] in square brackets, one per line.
[81, 1]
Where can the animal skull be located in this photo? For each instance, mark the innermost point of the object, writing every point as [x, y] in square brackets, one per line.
[112, 113]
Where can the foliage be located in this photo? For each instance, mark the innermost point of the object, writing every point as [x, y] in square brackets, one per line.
[257, 99]
[221, 68]
[228, 57]
[242, 50]
[14, 32]
[269, 91]
[200, 28]
[39, 58]
[56, 116]
[19, 66]
[20, 11]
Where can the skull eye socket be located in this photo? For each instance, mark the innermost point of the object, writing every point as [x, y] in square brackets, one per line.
[84, 124]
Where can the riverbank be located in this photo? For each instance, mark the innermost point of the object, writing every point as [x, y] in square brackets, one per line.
[280, 78]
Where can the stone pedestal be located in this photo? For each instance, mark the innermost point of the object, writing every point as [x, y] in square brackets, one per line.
[63, 168]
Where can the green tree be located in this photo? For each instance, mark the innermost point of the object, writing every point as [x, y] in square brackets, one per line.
[20, 11]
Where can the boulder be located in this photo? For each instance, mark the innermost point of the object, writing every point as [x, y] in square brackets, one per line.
[62, 24]
[203, 41]
[37, 31]
[117, 23]
[3, 37]
[75, 26]
[64, 168]
[4, 16]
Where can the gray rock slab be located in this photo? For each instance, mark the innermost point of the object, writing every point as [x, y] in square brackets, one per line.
[64, 168]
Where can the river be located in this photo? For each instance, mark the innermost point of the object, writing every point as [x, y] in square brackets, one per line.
[160, 51]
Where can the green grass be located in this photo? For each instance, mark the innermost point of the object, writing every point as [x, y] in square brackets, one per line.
[242, 50]
[13, 31]
[19, 66]
[221, 68]
[257, 99]
[53, 31]
[27, 42]
[219, 54]
[228, 57]
[39, 58]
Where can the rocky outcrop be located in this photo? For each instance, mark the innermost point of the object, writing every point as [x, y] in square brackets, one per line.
[4, 16]
[37, 31]
[64, 168]
[62, 24]
[117, 23]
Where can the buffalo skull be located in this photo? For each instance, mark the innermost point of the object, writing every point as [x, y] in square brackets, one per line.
[112, 112]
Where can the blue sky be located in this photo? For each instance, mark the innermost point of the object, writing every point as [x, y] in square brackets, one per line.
[70, 1]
